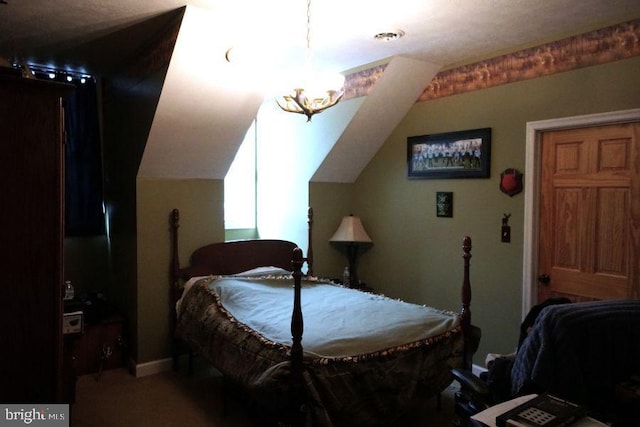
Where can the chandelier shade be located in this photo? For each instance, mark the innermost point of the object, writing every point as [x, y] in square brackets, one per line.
[314, 91]
[299, 102]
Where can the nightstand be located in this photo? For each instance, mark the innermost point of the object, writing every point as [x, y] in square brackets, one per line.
[103, 345]
[72, 330]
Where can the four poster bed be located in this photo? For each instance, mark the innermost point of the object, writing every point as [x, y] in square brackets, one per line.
[364, 359]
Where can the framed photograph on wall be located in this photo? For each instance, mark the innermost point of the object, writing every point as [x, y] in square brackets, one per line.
[463, 154]
[444, 204]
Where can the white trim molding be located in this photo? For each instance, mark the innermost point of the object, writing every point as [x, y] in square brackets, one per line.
[151, 368]
[532, 187]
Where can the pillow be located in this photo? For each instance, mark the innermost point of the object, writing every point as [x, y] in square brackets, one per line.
[254, 273]
[264, 271]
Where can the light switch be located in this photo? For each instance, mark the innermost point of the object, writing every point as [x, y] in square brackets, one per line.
[506, 234]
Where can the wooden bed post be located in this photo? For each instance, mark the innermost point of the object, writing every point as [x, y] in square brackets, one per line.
[175, 259]
[470, 333]
[297, 323]
[465, 313]
[310, 246]
[175, 291]
[297, 327]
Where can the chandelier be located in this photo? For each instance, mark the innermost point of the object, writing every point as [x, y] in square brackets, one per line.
[315, 92]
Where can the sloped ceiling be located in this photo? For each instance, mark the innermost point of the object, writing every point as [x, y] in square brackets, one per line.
[394, 94]
[202, 115]
[200, 102]
[446, 32]
[206, 106]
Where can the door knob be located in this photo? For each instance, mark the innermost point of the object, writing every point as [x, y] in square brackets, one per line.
[544, 279]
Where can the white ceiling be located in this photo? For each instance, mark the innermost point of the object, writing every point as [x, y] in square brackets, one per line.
[444, 32]
[98, 36]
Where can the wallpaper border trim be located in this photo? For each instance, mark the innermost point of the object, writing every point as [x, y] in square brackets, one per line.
[597, 47]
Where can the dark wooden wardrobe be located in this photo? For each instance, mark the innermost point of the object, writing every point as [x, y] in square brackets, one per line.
[32, 239]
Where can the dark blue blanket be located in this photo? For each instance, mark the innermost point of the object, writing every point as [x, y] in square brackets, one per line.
[580, 351]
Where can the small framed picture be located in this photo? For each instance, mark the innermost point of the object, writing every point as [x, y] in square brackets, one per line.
[464, 154]
[444, 204]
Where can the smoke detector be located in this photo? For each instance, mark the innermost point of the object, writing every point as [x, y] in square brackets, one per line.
[387, 36]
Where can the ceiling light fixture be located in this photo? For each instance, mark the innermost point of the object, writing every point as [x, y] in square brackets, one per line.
[388, 36]
[315, 92]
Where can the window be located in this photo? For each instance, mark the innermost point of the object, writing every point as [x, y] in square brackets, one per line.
[240, 190]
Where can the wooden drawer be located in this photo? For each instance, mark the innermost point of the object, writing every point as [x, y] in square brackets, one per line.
[102, 346]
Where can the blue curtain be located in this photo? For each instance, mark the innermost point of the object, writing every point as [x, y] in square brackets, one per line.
[84, 214]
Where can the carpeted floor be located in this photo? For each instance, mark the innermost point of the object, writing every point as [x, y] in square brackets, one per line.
[174, 399]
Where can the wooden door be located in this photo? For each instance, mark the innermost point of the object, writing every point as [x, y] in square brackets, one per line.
[589, 238]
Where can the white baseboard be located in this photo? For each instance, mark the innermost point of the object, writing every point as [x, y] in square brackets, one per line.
[150, 368]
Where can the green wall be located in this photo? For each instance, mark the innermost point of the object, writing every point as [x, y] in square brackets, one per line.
[128, 109]
[417, 256]
[330, 202]
[201, 221]
[86, 264]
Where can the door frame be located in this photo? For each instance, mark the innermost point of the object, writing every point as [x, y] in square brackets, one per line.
[532, 187]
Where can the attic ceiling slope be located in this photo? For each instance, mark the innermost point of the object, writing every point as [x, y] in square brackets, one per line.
[93, 43]
[203, 114]
[394, 94]
[439, 31]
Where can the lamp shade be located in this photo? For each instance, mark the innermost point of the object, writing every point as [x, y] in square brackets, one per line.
[351, 231]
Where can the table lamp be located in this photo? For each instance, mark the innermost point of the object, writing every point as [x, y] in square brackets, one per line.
[352, 236]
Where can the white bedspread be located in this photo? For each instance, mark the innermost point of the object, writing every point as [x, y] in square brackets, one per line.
[338, 322]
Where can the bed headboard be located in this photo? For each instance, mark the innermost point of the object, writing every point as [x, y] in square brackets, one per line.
[232, 257]
[238, 256]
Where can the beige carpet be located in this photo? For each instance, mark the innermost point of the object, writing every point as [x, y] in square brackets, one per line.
[176, 399]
